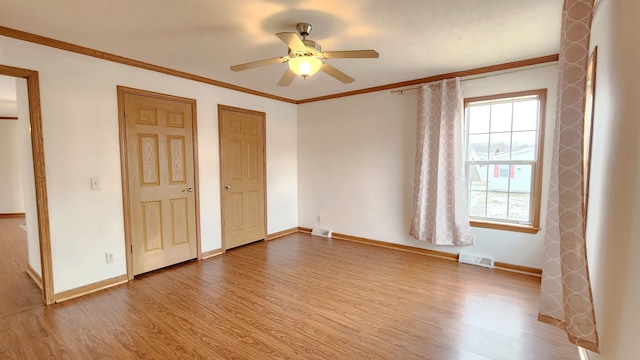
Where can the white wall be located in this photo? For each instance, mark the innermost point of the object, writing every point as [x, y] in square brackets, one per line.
[11, 194]
[80, 126]
[8, 105]
[27, 176]
[613, 230]
[356, 163]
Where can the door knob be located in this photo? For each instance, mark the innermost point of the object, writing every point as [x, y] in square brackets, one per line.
[227, 187]
[189, 189]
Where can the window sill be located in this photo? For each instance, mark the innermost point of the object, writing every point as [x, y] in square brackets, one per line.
[505, 226]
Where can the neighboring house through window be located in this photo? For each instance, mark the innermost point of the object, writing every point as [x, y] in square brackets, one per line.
[504, 159]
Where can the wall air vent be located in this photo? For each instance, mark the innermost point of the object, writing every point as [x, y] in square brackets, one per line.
[475, 260]
[321, 232]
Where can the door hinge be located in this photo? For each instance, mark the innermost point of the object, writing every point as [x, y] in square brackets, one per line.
[131, 248]
[125, 113]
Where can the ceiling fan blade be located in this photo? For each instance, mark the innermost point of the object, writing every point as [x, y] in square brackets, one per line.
[292, 40]
[287, 78]
[350, 54]
[256, 64]
[339, 75]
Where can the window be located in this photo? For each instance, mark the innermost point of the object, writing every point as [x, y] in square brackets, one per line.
[588, 126]
[504, 159]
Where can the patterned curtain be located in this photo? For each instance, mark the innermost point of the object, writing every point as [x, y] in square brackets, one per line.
[566, 300]
[440, 187]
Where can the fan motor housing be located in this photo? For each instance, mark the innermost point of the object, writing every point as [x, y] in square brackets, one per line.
[313, 49]
[312, 44]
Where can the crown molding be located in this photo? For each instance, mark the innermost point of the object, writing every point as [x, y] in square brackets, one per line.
[42, 40]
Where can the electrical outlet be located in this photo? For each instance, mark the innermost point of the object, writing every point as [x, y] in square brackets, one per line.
[109, 258]
[319, 218]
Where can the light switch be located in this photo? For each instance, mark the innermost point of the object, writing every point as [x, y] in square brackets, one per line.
[95, 183]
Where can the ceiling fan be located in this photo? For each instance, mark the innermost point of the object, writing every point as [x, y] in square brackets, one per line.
[305, 57]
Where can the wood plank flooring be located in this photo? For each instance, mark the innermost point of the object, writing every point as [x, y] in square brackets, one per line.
[18, 292]
[298, 297]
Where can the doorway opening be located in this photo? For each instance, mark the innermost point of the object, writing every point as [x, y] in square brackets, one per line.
[28, 94]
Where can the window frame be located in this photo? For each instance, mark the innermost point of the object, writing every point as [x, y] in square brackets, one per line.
[590, 94]
[537, 163]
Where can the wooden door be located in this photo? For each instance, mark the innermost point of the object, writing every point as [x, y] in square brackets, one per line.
[242, 168]
[160, 153]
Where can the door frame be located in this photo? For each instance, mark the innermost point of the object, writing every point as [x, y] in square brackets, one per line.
[124, 166]
[263, 117]
[37, 149]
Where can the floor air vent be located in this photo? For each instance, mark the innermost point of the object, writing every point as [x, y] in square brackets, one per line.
[476, 260]
[321, 232]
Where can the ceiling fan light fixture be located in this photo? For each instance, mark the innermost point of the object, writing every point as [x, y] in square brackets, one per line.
[305, 57]
[305, 65]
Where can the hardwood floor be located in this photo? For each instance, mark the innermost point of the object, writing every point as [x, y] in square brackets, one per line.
[298, 297]
[18, 292]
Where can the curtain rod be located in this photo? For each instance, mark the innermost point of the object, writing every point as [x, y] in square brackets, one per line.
[475, 77]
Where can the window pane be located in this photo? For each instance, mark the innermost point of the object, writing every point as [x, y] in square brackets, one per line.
[477, 203]
[496, 182]
[504, 170]
[501, 117]
[524, 145]
[478, 148]
[521, 179]
[497, 204]
[519, 206]
[477, 177]
[520, 193]
[500, 146]
[478, 118]
[525, 115]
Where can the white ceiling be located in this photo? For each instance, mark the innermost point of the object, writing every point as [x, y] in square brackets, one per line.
[415, 38]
